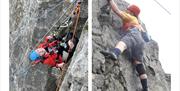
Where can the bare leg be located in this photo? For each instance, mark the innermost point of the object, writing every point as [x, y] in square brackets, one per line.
[121, 46]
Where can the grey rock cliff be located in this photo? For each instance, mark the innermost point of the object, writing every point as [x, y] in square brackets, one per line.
[120, 75]
[76, 78]
[29, 21]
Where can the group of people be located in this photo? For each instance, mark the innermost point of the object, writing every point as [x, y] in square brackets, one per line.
[50, 51]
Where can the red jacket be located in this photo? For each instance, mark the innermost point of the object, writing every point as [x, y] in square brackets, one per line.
[46, 44]
[50, 59]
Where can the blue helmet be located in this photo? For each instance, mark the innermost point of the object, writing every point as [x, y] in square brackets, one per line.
[33, 55]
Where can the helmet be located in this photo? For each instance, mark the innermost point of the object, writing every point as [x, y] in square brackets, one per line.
[48, 38]
[134, 9]
[34, 56]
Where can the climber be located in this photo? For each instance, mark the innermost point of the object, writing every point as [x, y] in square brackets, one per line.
[134, 39]
[41, 55]
[68, 44]
[52, 48]
[70, 38]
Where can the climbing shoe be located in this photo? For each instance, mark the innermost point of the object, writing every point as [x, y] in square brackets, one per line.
[109, 53]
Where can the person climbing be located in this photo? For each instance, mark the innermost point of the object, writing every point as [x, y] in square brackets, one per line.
[70, 38]
[41, 55]
[134, 40]
[52, 48]
[68, 44]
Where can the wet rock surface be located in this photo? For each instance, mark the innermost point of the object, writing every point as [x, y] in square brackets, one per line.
[120, 75]
[29, 21]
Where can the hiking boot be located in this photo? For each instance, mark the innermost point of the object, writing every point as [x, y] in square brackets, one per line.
[109, 53]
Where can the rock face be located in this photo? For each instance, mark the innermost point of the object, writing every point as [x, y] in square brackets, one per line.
[76, 78]
[29, 21]
[120, 75]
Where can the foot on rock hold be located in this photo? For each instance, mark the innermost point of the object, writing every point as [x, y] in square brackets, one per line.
[109, 53]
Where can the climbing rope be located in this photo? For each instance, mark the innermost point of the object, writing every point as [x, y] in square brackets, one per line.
[51, 9]
[65, 67]
[28, 67]
[66, 24]
[62, 75]
[77, 19]
[53, 25]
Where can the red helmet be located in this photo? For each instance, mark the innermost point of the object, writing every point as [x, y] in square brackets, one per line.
[134, 9]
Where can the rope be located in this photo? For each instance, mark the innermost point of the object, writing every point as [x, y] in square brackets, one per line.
[66, 24]
[53, 25]
[51, 9]
[61, 77]
[41, 40]
[78, 11]
[65, 68]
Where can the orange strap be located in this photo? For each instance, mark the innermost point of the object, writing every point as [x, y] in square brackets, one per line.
[77, 11]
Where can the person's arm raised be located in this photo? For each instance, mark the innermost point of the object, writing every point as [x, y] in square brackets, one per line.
[115, 8]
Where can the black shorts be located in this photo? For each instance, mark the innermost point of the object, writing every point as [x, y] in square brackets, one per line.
[135, 43]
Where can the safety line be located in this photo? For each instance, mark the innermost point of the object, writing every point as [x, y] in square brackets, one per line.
[53, 25]
[78, 11]
[43, 37]
[51, 9]
[162, 7]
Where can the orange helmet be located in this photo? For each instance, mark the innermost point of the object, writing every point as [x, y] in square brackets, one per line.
[134, 9]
